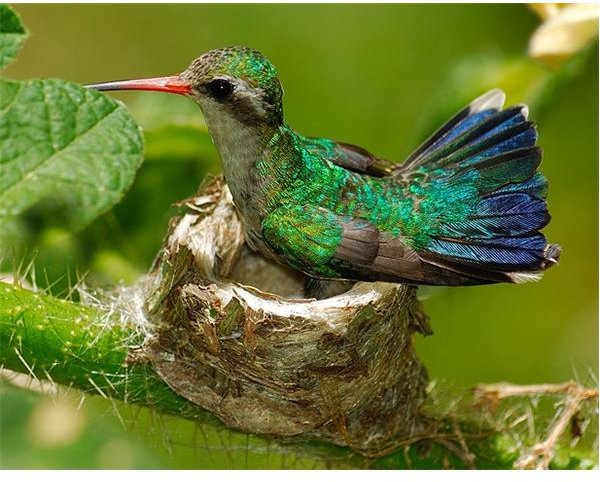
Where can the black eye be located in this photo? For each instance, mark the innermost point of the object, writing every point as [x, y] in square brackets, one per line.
[219, 89]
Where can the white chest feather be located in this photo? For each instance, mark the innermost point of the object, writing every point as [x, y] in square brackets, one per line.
[240, 147]
[237, 144]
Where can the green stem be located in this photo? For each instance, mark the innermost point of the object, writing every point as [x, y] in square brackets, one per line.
[82, 347]
[89, 349]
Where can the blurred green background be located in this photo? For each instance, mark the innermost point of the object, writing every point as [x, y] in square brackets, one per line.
[380, 76]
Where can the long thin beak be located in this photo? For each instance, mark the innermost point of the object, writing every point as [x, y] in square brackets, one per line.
[172, 84]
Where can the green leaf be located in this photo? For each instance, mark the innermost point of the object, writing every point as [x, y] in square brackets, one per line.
[63, 144]
[12, 35]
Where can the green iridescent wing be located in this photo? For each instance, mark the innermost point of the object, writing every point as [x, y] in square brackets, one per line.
[308, 237]
[323, 244]
[351, 157]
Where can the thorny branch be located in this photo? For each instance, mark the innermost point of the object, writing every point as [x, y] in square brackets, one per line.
[540, 455]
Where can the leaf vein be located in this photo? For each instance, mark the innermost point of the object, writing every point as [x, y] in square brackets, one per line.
[56, 154]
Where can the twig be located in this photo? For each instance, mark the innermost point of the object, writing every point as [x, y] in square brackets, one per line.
[540, 455]
[467, 456]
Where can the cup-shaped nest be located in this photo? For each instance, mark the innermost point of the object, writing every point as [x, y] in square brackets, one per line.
[234, 335]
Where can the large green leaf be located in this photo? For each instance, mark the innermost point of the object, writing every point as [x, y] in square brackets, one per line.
[12, 35]
[61, 143]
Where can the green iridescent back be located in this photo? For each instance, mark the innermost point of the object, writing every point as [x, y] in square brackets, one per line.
[305, 175]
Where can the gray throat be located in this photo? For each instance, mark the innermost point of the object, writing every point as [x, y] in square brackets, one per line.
[240, 147]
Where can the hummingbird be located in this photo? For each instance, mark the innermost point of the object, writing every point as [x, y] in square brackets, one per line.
[465, 208]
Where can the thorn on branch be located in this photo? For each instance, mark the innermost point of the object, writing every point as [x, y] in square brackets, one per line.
[540, 455]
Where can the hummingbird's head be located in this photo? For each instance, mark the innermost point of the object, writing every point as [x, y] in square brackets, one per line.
[235, 83]
[238, 82]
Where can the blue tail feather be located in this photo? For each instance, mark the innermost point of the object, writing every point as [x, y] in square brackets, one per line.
[536, 185]
[477, 111]
[497, 133]
[509, 135]
[504, 253]
[514, 166]
[495, 151]
[461, 128]
[504, 214]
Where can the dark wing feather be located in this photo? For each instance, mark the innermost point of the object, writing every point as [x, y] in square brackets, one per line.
[325, 245]
[368, 254]
[357, 159]
[351, 157]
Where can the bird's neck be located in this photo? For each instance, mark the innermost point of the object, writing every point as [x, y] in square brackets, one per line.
[241, 147]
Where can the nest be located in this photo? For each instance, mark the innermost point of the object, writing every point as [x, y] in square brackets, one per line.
[234, 336]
